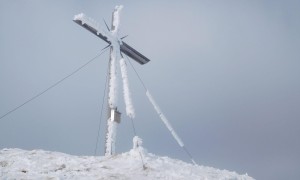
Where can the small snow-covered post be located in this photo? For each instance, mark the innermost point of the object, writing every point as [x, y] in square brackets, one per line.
[114, 116]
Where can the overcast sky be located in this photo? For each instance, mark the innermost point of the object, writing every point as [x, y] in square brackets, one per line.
[225, 73]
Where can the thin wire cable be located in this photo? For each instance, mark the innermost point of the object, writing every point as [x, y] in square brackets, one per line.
[134, 131]
[184, 148]
[103, 99]
[50, 87]
[136, 73]
[189, 154]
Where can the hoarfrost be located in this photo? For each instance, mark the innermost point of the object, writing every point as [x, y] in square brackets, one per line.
[112, 95]
[137, 142]
[127, 95]
[164, 119]
[110, 137]
[92, 23]
[116, 18]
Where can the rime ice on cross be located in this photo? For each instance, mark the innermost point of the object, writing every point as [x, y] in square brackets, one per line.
[117, 47]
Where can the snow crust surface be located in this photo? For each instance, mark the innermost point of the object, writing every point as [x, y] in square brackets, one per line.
[40, 164]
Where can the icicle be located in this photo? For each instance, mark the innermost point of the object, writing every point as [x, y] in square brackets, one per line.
[127, 95]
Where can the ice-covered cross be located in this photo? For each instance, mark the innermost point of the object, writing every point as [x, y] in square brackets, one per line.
[117, 47]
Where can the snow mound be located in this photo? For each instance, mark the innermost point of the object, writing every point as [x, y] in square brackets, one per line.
[40, 164]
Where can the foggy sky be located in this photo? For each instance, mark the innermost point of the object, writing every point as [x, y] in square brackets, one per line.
[225, 73]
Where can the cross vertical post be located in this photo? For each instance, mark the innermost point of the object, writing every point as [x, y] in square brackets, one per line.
[113, 115]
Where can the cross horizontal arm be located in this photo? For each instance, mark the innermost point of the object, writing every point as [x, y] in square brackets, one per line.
[94, 28]
[134, 54]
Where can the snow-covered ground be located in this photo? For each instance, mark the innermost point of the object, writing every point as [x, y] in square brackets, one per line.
[40, 164]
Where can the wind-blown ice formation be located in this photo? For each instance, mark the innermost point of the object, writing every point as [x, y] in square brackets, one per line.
[112, 94]
[164, 119]
[127, 95]
[92, 23]
[110, 138]
[116, 18]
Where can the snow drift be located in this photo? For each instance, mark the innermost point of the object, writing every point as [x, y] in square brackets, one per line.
[39, 164]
